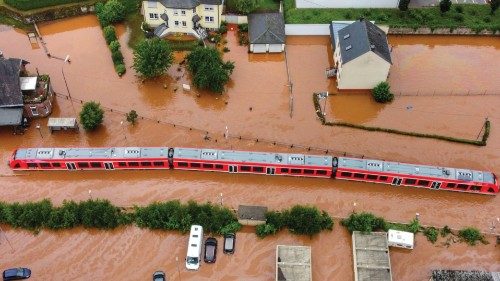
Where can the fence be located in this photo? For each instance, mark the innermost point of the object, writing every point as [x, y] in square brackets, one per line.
[346, 4]
[307, 29]
[235, 19]
[438, 93]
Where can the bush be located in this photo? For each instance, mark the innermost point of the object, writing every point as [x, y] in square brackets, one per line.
[306, 220]
[225, 50]
[364, 222]
[403, 5]
[382, 93]
[431, 233]
[111, 12]
[445, 231]
[459, 17]
[114, 46]
[471, 235]
[109, 34]
[444, 6]
[100, 214]
[91, 115]
[117, 57]
[120, 69]
[246, 6]
[459, 9]
[223, 29]
[263, 230]
[243, 27]
[494, 4]
[131, 117]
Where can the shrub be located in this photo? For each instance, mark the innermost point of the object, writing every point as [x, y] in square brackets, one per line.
[111, 12]
[263, 230]
[246, 6]
[305, 220]
[91, 115]
[445, 231]
[29, 215]
[109, 34]
[223, 29]
[117, 57]
[382, 93]
[403, 5]
[66, 216]
[471, 235]
[459, 17]
[494, 4]
[364, 222]
[459, 9]
[444, 6]
[348, 15]
[225, 50]
[431, 233]
[114, 46]
[243, 27]
[131, 117]
[120, 69]
[100, 214]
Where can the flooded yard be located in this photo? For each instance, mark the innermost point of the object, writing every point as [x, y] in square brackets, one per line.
[255, 105]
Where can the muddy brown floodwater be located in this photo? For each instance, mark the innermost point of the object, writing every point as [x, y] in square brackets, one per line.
[259, 82]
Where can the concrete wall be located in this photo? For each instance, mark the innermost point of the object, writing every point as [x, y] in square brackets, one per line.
[346, 3]
[267, 48]
[307, 29]
[364, 72]
[235, 19]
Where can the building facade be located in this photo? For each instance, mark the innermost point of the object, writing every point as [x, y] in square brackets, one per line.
[266, 32]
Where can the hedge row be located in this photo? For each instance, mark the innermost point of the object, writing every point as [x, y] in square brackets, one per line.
[114, 46]
[482, 142]
[368, 222]
[300, 220]
[101, 214]
[25, 5]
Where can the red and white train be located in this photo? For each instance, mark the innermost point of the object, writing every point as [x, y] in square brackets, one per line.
[246, 162]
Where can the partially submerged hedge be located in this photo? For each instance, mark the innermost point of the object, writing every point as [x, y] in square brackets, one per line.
[114, 46]
[481, 142]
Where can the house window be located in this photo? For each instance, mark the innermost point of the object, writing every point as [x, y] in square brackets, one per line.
[34, 110]
[176, 23]
[183, 12]
[209, 19]
[209, 8]
[153, 16]
[184, 24]
[176, 12]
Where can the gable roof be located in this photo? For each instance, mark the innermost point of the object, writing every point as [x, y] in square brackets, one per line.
[266, 28]
[10, 86]
[361, 37]
[187, 4]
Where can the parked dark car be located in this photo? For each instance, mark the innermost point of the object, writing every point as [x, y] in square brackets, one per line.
[210, 250]
[229, 242]
[16, 273]
[159, 276]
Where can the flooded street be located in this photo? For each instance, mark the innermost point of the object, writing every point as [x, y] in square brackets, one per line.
[259, 82]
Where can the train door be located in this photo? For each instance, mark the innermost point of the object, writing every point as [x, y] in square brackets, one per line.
[109, 166]
[233, 168]
[436, 185]
[71, 166]
[396, 181]
[270, 171]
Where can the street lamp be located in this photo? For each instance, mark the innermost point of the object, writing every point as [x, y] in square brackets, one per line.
[417, 216]
[39, 130]
[178, 270]
[354, 207]
[221, 199]
[90, 194]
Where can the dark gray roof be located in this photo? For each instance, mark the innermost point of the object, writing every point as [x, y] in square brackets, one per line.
[266, 28]
[461, 275]
[252, 212]
[187, 4]
[361, 37]
[11, 116]
[10, 87]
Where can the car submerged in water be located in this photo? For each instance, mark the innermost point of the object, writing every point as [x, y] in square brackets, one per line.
[229, 242]
[210, 250]
[18, 273]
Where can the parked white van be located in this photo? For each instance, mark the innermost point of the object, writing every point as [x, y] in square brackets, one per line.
[193, 258]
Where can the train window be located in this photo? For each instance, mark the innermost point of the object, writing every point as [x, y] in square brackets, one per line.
[491, 190]
[56, 165]
[258, 169]
[296, 171]
[45, 165]
[451, 185]
[83, 165]
[17, 165]
[95, 164]
[284, 170]
[423, 183]
[133, 164]
[371, 177]
[309, 172]
[158, 164]
[346, 174]
[475, 187]
[32, 165]
[182, 164]
[245, 168]
[208, 166]
[410, 181]
[195, 165]
[320, 172]
[218, 166]
[462, 186]
[359, 176]
[146, 164]
[382, 178]
[122, 164]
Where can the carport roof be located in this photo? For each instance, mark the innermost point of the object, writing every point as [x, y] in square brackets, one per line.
[10, 86]
[11, 116]
[266, 28]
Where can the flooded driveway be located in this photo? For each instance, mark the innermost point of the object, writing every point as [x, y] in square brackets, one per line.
[260, 83]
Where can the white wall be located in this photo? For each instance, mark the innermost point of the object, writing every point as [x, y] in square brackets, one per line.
[364, 72]
[307, 29]
[346, 3]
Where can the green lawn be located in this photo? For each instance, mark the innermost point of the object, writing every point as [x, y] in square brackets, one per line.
[476, 17]
[264, 6]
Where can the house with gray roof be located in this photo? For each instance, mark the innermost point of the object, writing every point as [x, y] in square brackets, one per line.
[191, 17]
[266, 32]
[362, 57]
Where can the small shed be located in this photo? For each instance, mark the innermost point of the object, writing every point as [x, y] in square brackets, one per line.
[400, 239]
[371, 257]
[293, 263]
[251, 215]
[57, 124]
[266, 32]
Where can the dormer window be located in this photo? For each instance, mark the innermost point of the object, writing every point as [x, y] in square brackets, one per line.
[347, 36]
[348, 47]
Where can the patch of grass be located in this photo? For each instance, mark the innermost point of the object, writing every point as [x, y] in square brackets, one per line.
[133, 22]
[41, 5]
[471, 236]
[183, 45]
[414, 18]
[432, 234]
[264, 6]
[6, 20]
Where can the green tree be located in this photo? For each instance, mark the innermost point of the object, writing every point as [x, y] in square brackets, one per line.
[471, 235]
[403, 5]
[114, 46]
[444, 6]
[382, 93]
[132, 117]
[91, 115]
[306, 220]
[494, 4]
[109, 34]
[208, 69]
[152, 57]
[246, 6]
[364, 222]
[111, 12]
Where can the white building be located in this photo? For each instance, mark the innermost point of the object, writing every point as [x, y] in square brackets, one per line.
[266, 32]
[346, 4]
[362, 57]
[182, 16]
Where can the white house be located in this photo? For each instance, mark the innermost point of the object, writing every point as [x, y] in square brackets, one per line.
[266, 32]
[182, 16]
[362, 57]
[346, 4]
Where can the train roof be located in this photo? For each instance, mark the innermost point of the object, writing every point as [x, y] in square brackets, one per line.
[253, 157]
[416, 170]
[91, 153]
